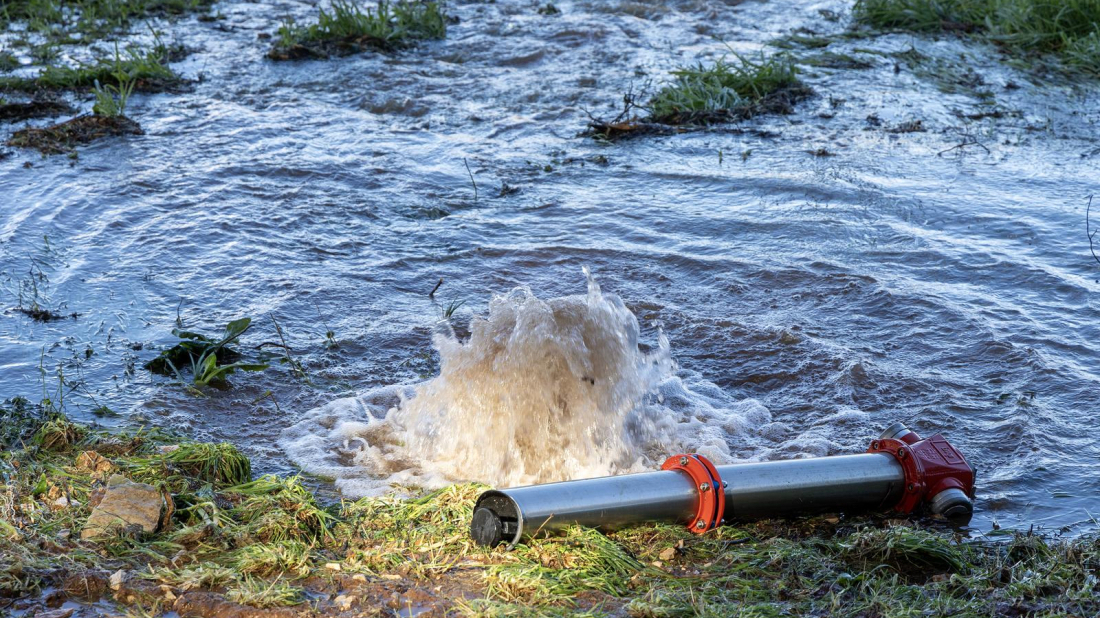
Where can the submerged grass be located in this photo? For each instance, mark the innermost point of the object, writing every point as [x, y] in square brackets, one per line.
[269, 543]
[1066, 29]
[347, 28]
[143, 70]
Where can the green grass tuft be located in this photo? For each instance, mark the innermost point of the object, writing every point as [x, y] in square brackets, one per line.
[140, 70]
[1067, 29]
[347, 28]
[728, 89]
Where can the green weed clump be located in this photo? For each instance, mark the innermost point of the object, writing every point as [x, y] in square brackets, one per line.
[1067, 29]
[209, 360]
[732, 88]
[728, 90]
[347, 28]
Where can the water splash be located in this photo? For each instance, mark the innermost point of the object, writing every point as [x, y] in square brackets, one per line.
[543, 390]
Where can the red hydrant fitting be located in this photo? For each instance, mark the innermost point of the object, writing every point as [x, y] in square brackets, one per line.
[935, 473]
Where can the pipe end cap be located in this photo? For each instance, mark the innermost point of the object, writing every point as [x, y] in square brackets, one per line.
[486, 528]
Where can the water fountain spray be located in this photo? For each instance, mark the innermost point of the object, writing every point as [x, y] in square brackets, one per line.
[900, 471]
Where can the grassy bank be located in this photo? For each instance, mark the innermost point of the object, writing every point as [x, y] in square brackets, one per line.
[1068, 30]
[227, 543]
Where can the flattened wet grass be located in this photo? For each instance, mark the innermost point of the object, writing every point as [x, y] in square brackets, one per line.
[268, 543]
[347, 28]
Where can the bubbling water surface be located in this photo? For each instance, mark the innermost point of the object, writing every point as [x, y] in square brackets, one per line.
[540, 391]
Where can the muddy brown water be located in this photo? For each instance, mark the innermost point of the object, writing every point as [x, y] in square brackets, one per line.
[941, 277]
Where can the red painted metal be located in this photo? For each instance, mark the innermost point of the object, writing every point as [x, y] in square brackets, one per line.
[709, 487]
[931, 465]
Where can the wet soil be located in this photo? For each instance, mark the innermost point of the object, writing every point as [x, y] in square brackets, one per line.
[64, 136]
[13, 112]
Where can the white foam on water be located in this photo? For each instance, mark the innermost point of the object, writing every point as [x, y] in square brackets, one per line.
[541, 391]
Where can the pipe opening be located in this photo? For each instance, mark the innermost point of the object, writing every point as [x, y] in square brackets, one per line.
[954, 506]
[496, 520]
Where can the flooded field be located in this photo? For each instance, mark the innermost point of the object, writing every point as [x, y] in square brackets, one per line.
[908, 244]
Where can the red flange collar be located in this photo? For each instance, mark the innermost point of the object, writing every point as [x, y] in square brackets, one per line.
[712, 494]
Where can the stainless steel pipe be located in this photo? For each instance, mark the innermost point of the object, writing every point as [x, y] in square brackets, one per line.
[753, 490]
[900, 471]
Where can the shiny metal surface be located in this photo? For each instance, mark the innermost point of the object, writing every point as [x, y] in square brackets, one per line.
[954, 506]
[896, 431]
[606, 502]
[753, 490]
[842, 483]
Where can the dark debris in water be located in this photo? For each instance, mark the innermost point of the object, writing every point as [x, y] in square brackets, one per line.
[64, 136]
[13, 112]
[345, 46]
[42, 314]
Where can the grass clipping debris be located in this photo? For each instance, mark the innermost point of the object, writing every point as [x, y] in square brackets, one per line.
[231, 545]
[346, 28]
[733, 88]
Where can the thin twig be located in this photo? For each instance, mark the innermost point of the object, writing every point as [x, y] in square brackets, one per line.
[471, 177]
[436, 288]
[964, 144]
[1091, 233]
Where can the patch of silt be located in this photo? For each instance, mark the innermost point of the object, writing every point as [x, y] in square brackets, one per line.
[541, 391]
[64, 136]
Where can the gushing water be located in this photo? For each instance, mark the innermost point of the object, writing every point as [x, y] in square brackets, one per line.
[543, 390]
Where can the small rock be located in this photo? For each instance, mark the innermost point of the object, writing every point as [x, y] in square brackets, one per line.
[117, 579]
[93, 462]
[125, 504]
[168, 448]
[668, 554]
[344, 601]
[333, 566]
[657, 563]
[831, 519]
[60, 504]
[390, 577]
[359, 577]
[168, 594]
